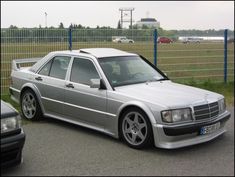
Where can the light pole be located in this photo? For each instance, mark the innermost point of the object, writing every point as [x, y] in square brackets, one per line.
[45, 19]
[46, 24]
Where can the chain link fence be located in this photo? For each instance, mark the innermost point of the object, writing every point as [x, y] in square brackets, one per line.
[181, 62]
[196, 61]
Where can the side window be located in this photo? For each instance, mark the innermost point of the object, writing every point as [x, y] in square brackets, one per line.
[82, 71]
[59, 67]
[46, 69]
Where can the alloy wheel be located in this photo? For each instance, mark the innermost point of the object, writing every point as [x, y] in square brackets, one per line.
[29, 105]
[134, 128]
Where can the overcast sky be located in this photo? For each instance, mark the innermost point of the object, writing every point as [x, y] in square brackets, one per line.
[171, 14]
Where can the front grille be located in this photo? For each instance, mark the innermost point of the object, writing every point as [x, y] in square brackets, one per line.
[206, 111]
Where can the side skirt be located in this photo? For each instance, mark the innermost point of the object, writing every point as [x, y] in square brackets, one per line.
[81, 124]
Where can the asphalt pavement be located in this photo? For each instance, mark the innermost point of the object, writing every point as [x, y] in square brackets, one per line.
[56, 148]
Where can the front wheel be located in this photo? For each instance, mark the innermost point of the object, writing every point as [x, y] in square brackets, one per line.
[30, 107]
[136, 129]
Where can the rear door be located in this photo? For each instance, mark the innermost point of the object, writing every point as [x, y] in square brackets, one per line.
[50, 80]
[83, 103]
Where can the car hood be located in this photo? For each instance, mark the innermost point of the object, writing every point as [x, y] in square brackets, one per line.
[168, 94]
[7, 110]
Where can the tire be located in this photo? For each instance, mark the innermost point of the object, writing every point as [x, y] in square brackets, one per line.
[135, 129]
[30, 107]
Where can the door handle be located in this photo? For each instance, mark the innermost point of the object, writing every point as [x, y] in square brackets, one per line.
[69, 85]
[38, 78]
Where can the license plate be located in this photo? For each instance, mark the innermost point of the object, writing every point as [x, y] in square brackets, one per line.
[210, 128]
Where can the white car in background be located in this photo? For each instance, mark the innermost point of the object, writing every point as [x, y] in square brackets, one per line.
[123, 40]
[192, 40]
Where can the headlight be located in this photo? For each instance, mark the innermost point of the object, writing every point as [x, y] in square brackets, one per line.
[177, 115]
[222, 105]
[10, 124]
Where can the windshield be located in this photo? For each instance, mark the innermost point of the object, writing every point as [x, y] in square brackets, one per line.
[129, 70]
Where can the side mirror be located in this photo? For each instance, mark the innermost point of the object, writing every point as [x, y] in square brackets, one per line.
[97, 83]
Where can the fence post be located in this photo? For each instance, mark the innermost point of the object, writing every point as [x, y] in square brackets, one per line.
[70, 38]
[155, 46]
[225, 54]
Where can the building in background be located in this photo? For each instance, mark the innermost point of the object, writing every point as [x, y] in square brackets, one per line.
[148, 22]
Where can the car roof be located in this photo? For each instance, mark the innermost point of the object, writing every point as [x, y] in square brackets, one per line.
[98, 52]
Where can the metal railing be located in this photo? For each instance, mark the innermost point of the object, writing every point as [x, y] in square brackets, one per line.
[181, 62]
[204, 60]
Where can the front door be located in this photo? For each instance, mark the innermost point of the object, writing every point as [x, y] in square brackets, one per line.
[82, 103]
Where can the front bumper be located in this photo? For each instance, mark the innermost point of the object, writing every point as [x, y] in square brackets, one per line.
[176, 136]
[11, 148]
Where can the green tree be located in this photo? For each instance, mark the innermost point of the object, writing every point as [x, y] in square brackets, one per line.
[13, 27]
[134, 26]
[61, 26]
[145, 27]
[71, 25]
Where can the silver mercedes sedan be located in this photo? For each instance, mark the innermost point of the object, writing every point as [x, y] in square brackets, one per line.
[119, 93]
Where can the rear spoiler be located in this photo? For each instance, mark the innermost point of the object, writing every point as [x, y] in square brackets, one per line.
[16, 63]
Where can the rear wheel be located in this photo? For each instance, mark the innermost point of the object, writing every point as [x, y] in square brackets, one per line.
[136, 129]
[30, 107]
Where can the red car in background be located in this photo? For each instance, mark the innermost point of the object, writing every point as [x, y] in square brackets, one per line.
[164, 40]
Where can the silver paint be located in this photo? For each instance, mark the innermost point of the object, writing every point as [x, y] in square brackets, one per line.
[101, 109]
